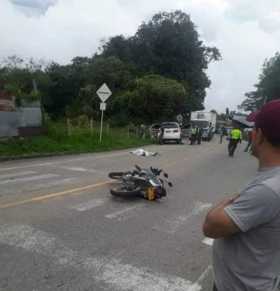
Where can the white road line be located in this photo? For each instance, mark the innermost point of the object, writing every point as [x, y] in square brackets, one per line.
[40, 186]
[79, 169]
[115, 274]
[89, 205]
[204, 275]
[208, 241]
[124, 213]
[53, 183]
[172, 225]
[18, 174]
[28, 179]
[64, 161]
[26, 166]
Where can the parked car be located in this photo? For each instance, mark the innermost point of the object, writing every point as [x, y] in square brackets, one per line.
[170, 131]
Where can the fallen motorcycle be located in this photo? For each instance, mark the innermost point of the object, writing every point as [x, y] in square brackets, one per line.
[146, 183]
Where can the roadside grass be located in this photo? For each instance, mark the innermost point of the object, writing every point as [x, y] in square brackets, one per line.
[81, 140]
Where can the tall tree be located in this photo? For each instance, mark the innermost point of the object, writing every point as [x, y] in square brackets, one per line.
[169, 45]
[268, 87]
[18, 78]
[153, 98]
[65, 84]
[111, 70]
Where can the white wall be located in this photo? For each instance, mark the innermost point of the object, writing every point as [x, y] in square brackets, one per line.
[24, 117]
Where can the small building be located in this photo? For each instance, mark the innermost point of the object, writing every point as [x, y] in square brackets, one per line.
[19, 121]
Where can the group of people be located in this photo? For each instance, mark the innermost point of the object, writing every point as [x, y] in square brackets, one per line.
[196, 135]
[235, 137]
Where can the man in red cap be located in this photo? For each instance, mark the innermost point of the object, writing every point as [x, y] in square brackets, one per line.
[246, 227]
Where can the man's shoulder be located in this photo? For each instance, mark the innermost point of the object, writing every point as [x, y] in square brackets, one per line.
[265, 184]
[273, 183]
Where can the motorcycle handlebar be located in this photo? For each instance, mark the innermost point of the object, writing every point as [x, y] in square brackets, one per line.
[156, 171]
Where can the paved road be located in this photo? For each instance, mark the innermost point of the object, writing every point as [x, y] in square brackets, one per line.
[61, 230]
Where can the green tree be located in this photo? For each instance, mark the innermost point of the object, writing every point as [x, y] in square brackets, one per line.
[64, 88]
[89, 102]
[169, 45]
[268, 87]
[110, 70]
[120, 47]
[153, 99]
[19, 81]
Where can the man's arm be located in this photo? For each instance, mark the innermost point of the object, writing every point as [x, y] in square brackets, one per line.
[217, 223]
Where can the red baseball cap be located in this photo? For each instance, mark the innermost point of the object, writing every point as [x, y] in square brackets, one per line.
[268, 120]
[252, 116]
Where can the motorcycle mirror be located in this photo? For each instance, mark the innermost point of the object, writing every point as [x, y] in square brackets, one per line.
[170, 184]
[165, 175]
[138, 168]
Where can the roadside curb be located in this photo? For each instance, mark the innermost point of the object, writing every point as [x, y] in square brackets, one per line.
[27, 157]
[59, 154]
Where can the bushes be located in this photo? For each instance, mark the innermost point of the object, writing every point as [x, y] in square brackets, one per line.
[81, 140]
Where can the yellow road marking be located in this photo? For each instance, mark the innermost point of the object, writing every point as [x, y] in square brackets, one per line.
[53, 195]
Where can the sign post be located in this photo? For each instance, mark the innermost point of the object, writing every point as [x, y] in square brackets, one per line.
[180, 119]
[103, 93]
[102, 108]
[101, 126]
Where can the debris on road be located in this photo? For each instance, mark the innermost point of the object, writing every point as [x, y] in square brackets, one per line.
[143, 153]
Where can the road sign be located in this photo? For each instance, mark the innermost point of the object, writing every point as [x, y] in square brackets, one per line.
[104, 92]
[103, 106]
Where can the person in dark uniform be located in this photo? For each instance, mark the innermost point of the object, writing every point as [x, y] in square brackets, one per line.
[199, 135]
[193, 135]
[222, 134]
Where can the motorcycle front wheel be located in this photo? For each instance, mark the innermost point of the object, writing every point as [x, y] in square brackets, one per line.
[116, 175]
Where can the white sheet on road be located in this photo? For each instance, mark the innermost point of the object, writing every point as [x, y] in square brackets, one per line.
[143, 153]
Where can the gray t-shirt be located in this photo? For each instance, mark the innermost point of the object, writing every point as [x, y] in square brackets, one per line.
[250, 259]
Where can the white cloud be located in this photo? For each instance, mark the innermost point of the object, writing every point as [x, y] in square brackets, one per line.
[246, 34]
[33, 7]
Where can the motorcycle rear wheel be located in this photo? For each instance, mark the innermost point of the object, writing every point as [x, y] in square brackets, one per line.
[122, 191]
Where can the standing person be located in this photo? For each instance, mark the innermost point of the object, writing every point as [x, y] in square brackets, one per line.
[199, 135]
[222, 134]
[249, 136]
[235, 138]
[193, 135]
[246, 228]
[160, 135]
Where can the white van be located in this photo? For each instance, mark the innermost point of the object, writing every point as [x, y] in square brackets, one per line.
[170, 131]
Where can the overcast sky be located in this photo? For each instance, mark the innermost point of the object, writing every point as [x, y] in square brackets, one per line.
[246, 32]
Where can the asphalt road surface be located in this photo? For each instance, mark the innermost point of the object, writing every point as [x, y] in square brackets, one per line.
[61, 230]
